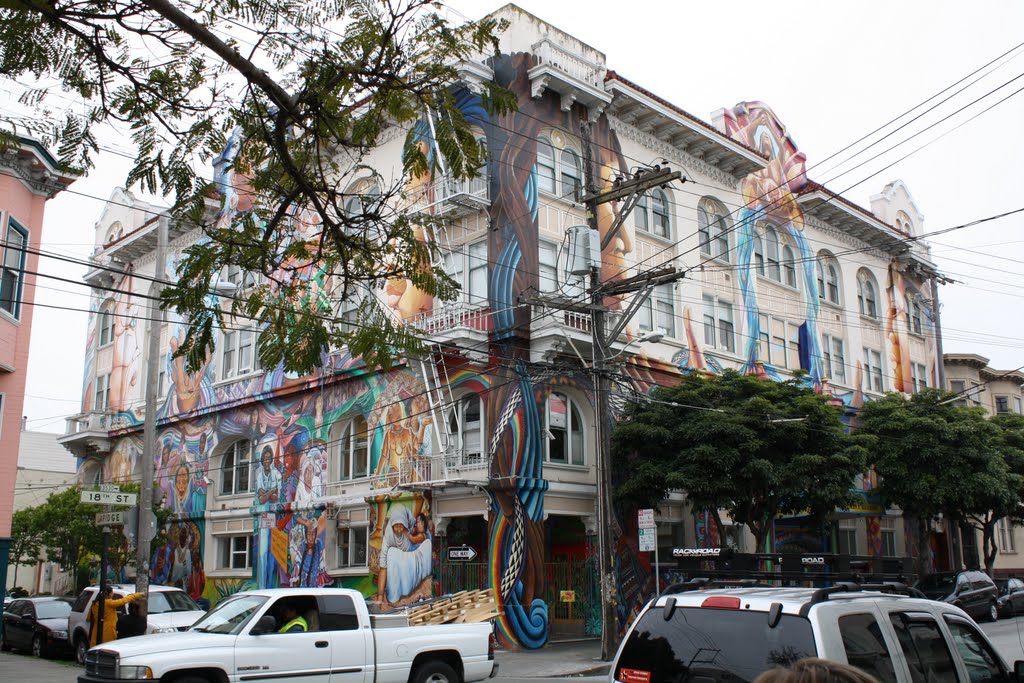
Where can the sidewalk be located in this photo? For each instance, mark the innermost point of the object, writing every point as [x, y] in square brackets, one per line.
[575, 658]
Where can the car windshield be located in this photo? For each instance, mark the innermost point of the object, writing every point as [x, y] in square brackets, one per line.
[937, 583]
[711, 645]
[53, 609]
[231, 615]
[171, 601]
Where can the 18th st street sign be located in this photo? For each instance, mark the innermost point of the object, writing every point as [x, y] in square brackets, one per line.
[109, 497]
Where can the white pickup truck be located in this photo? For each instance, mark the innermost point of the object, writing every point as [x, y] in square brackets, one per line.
[239, 641]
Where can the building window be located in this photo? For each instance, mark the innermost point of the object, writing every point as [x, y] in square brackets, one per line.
[888, 534]
[719, 328]
[847, 537]
[235, 552]
[758, 254]
[789, 266]
[918, 376]
[466, 425]
[659, 311]
[772, 341]
[915, 320]
[828, 280]
[358, 202]
[873, 380]
[959, 387]
[1017, 406]
[234, 274]
[1007, 544]
[572, 174]
[353, 449]
[833, 358]
[12, 268]
[771, 254]
[712, 229]
[547, 268]
[238, 353]
[107, 323]
[564, 430]
[352, 544]
[867, 294]
[477, 273]
[545, 165]
[101, 400]
[1002, 405]
[651, 214]
[235, 470]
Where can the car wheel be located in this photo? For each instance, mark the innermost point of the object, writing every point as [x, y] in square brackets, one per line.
[81, 647]
[993, 612]
[434, 671]
[37, 645]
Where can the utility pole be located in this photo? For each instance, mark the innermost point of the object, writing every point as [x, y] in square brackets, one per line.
[149, 444]
[629, 192]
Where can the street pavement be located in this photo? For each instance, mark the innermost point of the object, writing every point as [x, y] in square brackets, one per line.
[579, 660]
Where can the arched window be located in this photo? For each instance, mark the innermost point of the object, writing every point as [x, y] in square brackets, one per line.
[867, 294]
[758, 253]
[903, 223]
[466, 426]
[545, 165]
[235, 470]
[362, 198]
[107, 322]
[771, 253]
[572, 174]
[660, 217]
[829, 288]
[353, 459]
[915, 320]
[713, 229]
[641, 214]
[789, 266]
[564, 430]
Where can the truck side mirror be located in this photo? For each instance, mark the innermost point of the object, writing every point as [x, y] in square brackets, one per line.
[266, 624]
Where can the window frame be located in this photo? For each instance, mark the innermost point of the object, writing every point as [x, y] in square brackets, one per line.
[106, 323]
[232, 449]
[829, 279]
[101, 388]
[880, 368]
[230, 367]
[773, 265]
[456, 417]
[547, 269]
[18, 290]
[349, 447]
[545, 142]
[868, 305]
[1005, 399]
[659, 307]
[570, 172]
[350, 547]
[573, 414]
[724, 327]
[226, 552]
[713, 230]
[831, 347]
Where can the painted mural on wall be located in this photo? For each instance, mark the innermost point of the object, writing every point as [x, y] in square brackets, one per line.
[401, 556]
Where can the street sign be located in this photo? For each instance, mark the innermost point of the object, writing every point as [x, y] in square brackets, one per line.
[461, 553]
[110, 518]
[648, 540]
[114, 488]
[109, 498]
[645, 519]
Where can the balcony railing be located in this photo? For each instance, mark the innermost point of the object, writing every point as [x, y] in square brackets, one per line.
[457, 315]
[548, 52]
[445, 468]
[454, 197]
[93, 421]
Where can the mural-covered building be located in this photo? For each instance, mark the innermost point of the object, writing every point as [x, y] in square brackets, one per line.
[361, 478]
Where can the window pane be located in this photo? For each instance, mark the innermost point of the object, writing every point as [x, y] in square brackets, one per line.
[571, 174]
[548, 266]
[704, 229]
[924, 647]
[545, 166]
[709, 321]
[557, 418]
[865, 646]
[478, 273]
[576, 436]
[640, 217]
[361, 450]
[660, 214]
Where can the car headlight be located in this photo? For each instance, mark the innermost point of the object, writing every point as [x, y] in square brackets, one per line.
[134, 673]
[165, 629]
[59, 635]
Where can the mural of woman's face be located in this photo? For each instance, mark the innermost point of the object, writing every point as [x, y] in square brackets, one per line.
[399, 529]
[181, 481]
[307, 478]
[266, 459]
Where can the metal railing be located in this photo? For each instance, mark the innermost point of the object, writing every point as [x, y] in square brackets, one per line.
[442, 468]
[458, 315]
[453, 195]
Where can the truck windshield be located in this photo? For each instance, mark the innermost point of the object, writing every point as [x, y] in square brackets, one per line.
[171, 601]
[230, 616]
[710, 645]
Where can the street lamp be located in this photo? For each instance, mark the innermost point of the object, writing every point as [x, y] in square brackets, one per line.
[649, 336]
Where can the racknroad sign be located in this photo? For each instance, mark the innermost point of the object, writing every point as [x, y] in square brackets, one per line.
[109, 498]
[110, 518]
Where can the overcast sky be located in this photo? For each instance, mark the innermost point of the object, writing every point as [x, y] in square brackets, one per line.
[830, 74]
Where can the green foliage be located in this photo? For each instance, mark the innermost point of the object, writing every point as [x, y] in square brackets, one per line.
[26, 538]
[312, 88]
[755, 448]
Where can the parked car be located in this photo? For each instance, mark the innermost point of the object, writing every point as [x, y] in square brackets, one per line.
[1011, 597]
[239, 640]
[37, 625]
[733, 634]
[972, 591]
[170, 609]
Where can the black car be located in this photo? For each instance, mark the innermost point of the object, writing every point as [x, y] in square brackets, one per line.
[972, 591]
[38, 625]
[1011, 597]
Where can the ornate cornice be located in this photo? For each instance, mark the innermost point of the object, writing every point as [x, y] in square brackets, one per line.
[846, 238]
[37, 176]
[662, 148]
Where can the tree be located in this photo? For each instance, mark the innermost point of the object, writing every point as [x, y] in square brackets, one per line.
[933, 457]
[26, 535]
[288, 99]
[752, 447]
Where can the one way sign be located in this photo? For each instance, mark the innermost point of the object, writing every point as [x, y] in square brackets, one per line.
[461, 553]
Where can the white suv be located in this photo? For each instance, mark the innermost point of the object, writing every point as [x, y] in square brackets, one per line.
[706, 632]
[170, 609]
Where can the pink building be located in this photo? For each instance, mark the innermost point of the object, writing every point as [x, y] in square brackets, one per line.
[29, 176]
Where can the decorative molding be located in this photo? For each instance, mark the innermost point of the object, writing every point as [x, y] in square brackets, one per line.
[672, 153]
[844, 237]
[537, 86]
[568, 99]
[28, 169]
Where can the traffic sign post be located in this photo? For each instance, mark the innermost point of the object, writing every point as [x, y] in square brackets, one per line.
[647, 531]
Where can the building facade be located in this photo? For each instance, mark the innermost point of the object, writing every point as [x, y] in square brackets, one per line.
[999, 392]
[29, 176]
[355, 477]
[43, 468]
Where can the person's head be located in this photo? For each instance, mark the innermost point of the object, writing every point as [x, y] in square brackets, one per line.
[288, 611]
[181, 481]
[422, 523]
[815, 670]
[202, 443]
[266, 458]
[108, 591]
